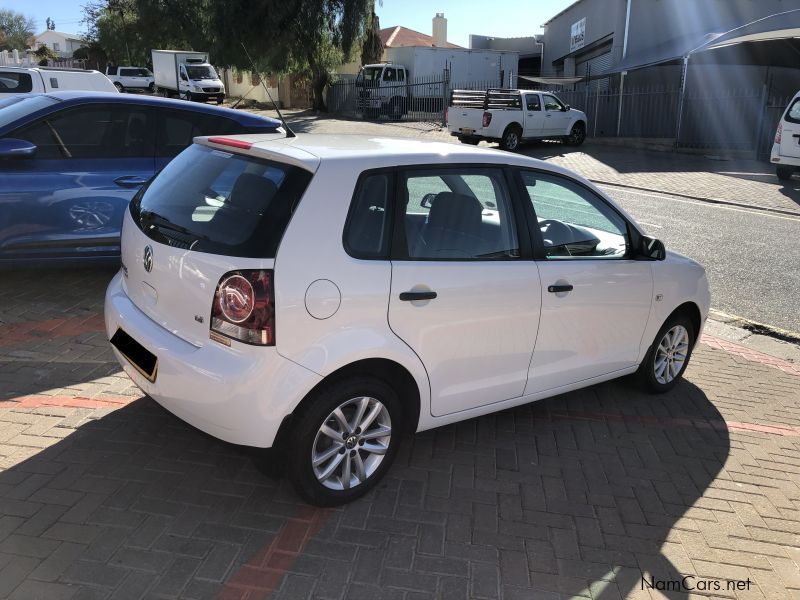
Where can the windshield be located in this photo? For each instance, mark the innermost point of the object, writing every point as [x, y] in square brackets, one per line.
[213, 201]
[370, 75]
[201, 72]
[12, 109]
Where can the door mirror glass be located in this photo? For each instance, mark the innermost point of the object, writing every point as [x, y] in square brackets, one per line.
[184, 77]
[13, 148]
[566, 108]
[652, 249]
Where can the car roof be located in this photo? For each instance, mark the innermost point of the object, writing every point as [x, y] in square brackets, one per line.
[366, 151]
[74, 97]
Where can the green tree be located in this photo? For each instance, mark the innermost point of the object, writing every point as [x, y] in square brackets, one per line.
[372, 48]
[43, 54]
[16, 29]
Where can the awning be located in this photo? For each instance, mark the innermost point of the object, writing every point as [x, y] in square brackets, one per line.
[784, 25]
[552, 80]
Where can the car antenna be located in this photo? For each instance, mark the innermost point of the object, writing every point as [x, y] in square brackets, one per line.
[289, 132]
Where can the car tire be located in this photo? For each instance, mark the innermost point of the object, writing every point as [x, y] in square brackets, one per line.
[119, 87]
[469, 140]
[151, 88]
[348, 464]
[784, 172]
[577, 135]
[220, 101]
[668, 356]
[512, 137]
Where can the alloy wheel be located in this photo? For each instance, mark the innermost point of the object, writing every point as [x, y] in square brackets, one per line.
[671, 354]
[512, 140]
[351, 443]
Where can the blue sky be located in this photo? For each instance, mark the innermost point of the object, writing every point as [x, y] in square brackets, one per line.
[502, 18]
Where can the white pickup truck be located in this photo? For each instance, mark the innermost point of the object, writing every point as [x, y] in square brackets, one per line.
[513, 116]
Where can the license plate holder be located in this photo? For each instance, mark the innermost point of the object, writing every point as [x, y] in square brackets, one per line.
[139, 357]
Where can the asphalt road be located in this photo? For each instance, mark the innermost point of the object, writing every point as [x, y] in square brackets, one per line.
[752, 258]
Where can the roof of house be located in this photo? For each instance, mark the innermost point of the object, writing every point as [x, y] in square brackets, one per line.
[68, 36]
[399, 36]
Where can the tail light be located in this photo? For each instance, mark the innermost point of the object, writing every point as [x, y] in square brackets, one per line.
[244, 307]
[487, 118]
[778, 133]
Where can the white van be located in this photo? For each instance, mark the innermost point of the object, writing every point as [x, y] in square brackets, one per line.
[786, 149]
[33, 80]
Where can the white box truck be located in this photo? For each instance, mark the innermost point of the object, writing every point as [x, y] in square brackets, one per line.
[420, 77]
[186, 74]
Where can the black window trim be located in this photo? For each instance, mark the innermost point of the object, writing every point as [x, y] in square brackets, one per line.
[540, 252]
[399, 245]
[390, 216]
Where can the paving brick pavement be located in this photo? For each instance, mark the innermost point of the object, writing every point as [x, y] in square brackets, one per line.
[103, 494]
[735, 180]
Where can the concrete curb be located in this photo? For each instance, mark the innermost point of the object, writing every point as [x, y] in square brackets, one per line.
[776, 342]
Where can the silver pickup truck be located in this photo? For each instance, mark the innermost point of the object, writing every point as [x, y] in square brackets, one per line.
[513, 116]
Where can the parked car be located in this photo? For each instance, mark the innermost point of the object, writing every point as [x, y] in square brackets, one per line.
[786, 149]
[324, 294]
[131, 78]
[34, 80]
[512, 117]
[71, 161]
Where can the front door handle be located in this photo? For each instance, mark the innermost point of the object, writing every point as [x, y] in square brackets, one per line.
[411, 296]
[555, 289]
[130, 181]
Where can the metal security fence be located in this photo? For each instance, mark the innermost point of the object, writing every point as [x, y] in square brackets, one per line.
[730, 119]
[418, 99]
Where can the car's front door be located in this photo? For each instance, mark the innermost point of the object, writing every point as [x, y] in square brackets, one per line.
[596, 300]
[68, 200]
[534, 116]
[464, 294]
[556, 117]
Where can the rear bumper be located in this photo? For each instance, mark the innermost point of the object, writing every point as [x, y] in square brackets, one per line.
[239, 394]
[781, 159]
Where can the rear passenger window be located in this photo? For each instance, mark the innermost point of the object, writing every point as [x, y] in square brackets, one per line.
[181, 127]
[367, 231]
[458, 214]
[793, 114]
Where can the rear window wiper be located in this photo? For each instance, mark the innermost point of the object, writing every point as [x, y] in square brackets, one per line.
[154, 219]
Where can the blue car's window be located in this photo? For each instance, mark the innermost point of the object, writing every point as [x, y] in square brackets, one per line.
[13, 111]
[214, 201]
[180, 127]
[93, 131]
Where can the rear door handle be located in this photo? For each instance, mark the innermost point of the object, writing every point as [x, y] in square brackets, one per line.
[555, 289]
[411, 296]
[129, 181]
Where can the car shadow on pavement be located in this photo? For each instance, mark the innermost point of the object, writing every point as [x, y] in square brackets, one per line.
[580, 495]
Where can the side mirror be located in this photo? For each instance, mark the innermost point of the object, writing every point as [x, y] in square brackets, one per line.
[652, 249]
[184, 77]
[566, 108]
[14, 148]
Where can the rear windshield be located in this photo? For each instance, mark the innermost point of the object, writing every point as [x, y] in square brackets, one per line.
[793, 112]
[15, 83]
[13, 111]
[219, 202]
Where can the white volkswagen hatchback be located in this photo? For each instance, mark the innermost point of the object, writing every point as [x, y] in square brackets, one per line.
[325, 294]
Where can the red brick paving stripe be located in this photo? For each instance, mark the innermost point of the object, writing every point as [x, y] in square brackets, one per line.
[29, 331]
[260, 575]
[750, 354]
[67, 401]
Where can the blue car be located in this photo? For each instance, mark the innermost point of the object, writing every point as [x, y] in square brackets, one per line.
[71, 161]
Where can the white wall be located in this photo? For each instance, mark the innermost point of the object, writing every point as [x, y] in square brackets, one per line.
[67, 44]
[233, 89]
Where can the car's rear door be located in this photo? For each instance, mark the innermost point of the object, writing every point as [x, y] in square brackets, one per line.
[790, 132]
[465, 295]
[68, 200]
[596, 299]
[533, 123]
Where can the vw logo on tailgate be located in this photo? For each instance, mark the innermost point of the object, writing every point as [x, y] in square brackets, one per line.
[147, 260]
